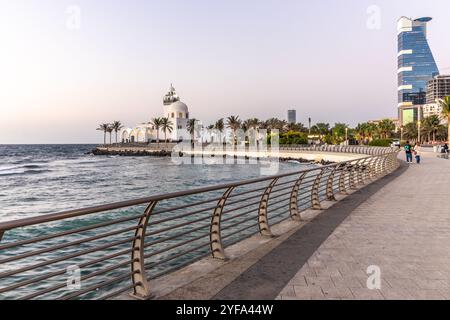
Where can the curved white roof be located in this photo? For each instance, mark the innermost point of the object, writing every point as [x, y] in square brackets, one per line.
[177, 106]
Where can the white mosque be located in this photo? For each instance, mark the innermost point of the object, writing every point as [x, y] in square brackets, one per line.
[175, 110]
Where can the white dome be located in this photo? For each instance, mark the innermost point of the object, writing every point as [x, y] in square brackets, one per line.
[177, 106]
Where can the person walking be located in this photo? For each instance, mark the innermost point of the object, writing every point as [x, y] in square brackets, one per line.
[417, 153]
[408, 151]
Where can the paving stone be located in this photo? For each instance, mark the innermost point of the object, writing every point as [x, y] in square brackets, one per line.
[404, 229]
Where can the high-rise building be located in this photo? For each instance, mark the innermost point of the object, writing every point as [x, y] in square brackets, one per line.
[416, 66]
[438, 88]
[292, 116]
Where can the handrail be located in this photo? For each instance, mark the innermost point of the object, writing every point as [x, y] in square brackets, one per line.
[133, 239]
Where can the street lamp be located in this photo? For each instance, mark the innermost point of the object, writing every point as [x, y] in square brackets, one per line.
[346, 136]
[401, 134]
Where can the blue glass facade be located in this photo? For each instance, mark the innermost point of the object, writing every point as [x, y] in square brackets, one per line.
[416, 64]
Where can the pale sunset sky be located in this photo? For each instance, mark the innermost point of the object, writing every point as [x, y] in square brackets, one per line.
[62, 74]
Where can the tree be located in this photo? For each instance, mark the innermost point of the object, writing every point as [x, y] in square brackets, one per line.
[339, 131]
[296, 127]
[117, 126]
[192, 123]
[234, 123]
[110, 130]
[410, 131]
[445, 105]
[321, 129]
[156, 123]
[250, 124]
[431, 125]
[362, 130]
[103, 127]
[219, 125]
[372, 130]
[386, 126]
[166, 126]
[275, 124]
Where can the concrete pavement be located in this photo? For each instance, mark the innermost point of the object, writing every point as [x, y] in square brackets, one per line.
[403, 229]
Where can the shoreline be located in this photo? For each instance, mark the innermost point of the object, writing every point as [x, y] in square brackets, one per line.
[142, 152]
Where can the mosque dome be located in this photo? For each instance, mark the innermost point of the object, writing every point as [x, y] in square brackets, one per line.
[178, 110]
[178, 107]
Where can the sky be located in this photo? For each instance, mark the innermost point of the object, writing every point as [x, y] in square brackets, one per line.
[67, 66]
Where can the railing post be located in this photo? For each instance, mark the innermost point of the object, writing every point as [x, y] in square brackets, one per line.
[215, 236]
[377, 170]
[369, 169]
[352, 176]
[293, 207]
[384, 165]
[263, 221]
[142, 286]
[315, 201]
[361, 166]
[330, 186]
[343, 169]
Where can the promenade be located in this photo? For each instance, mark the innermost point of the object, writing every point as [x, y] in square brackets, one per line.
[404, 228]
[400, 224]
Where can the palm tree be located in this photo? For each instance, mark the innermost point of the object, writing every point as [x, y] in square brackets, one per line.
[339, 131]
[110, 130]
[234, 123]
[386, 126]
[410, 131]
[117, 126]
[321, 129]
[156, 123]
[445, 105]
[296, 127]
[362, 131]
[372, 130]
[103, 127]
[276, 124]
[219, 125]
[431, 125]
[166, 125]
[192, 123]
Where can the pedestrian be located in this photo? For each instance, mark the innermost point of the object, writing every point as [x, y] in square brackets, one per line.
[445, 148]
[408, 151]
[417, 153]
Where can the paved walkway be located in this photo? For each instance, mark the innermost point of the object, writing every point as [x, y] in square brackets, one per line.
[403, 228]
[399, 224]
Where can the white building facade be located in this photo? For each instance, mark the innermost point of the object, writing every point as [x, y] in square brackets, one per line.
[176, 111]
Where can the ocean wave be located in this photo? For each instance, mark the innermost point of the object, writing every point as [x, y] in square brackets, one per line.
[22, 172]
[24, 167]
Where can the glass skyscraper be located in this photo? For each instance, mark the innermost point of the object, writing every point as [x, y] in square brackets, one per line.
[416, 66]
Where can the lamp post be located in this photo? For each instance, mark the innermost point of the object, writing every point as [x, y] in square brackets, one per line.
[346, 136]
[419, 120]
[309, 125]
[401, 134]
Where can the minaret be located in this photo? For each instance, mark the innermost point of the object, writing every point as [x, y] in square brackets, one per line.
[171, 96]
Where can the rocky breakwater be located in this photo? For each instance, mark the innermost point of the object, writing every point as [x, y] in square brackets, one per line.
[131, 152]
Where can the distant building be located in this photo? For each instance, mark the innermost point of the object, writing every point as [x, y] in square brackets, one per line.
[438, 88]
[292, 116]
[416, 66]
[175, 110]
[431, 109]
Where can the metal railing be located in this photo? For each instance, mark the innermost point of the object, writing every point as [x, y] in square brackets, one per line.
[341, 149]
[105, 251]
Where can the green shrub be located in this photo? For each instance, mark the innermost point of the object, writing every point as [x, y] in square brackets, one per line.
[381, 143]
[293, 137]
